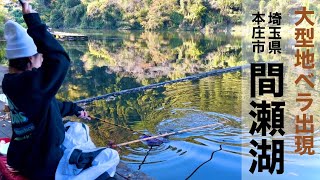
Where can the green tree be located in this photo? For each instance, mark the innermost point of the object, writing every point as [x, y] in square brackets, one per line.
[195, 10]
[159, 14]
[137, 14]
[73, 16]
[72, 3]
[56, 19]
[3, 15]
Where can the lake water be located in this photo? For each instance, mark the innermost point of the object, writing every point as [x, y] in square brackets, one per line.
[114, 61]
[123, 60]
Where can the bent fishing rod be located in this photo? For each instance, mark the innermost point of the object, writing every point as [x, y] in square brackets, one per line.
[215, 72]
[161, 84]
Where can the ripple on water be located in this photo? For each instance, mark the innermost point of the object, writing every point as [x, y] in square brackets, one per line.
[185, 151]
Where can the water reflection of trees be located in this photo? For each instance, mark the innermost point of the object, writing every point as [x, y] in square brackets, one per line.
[143, 111]
[152, 55]
[147, 57]
[126, 60]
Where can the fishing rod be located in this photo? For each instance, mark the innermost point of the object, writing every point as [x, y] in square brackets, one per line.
[215, 72]
[167, 134]
[161, 84]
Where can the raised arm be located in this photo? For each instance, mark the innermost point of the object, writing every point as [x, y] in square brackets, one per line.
[49, 77]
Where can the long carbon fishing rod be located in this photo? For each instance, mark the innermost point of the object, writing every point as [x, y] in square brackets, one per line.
[157, 85]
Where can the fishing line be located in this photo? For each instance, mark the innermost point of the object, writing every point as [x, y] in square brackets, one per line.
[145, 157]
[124, 127]
[204, 163]
[149, 142]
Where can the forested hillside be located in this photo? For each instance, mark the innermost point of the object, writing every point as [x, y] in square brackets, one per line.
[152, 14]
[137, 14]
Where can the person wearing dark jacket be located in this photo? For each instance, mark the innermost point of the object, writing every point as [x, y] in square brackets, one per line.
[38, 65]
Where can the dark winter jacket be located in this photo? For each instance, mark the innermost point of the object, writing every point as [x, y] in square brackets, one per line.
[36, 115]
